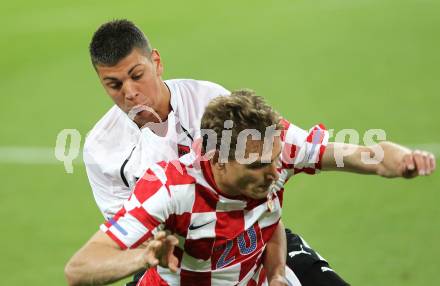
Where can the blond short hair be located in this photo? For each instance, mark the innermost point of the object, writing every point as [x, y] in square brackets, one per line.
[245, 109]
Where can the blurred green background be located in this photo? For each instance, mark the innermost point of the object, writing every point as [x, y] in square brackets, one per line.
[348, 64]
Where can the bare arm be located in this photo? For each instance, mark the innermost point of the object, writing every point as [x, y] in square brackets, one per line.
[101, 261]
[386, 159]
[275, 257]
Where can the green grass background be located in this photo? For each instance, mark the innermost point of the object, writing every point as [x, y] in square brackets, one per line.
[350, 64]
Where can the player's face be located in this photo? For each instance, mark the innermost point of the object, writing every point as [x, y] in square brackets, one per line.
[135, 85]
[252, 180]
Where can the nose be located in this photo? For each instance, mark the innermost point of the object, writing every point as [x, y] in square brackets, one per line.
[272, 172]
[130, 92]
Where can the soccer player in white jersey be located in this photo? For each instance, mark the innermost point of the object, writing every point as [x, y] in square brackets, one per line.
[223, 205]
[118, 150]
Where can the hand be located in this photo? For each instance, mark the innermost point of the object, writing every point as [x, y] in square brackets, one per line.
[417, 163]
[278, 281]
[160, 251]
[403, 162]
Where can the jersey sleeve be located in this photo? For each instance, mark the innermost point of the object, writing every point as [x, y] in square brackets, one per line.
[302, 150]
[105, 190]
[144, 213]
[106, 147]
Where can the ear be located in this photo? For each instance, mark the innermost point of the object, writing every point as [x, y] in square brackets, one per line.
[157, 62]
[213, 157]
[218, 166]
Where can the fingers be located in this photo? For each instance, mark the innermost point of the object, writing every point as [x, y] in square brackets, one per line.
[151, 252]
[161, 251]
[420, 162]
[173, 263]
[409, 163]
[433, 162]
[160, 235]
[408, 166]
[170, 260]
[424, 162]
[172, 240]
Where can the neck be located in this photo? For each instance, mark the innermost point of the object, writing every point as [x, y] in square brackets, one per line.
[165, 107]
[218, 176]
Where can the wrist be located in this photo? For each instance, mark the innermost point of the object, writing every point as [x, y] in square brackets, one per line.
[276, 273]
[279, 279]
[140, 259]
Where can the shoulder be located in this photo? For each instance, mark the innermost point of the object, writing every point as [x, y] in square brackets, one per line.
[113, 127]
[197, 89]
[189, 99]
[172, 176]
[179, 171]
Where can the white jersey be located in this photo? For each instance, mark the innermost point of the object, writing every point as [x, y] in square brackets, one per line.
[117, 152]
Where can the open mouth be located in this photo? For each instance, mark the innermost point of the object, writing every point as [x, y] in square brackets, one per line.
[266, 186]
[135, 110]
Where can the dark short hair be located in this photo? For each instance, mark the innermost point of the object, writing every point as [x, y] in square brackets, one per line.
[114, 40]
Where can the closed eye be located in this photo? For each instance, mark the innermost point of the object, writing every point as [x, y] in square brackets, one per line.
[115, 85]
[258, 165]
[137, 77]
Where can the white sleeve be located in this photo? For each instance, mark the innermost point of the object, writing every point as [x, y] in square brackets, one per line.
[106, 147]
[109, 193]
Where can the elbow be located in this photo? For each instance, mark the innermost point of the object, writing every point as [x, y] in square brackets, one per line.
[72, 274]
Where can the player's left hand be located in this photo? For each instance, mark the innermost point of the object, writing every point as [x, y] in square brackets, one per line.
[417, 163]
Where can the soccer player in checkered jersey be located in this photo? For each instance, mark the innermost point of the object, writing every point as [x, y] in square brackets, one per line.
[223, 205]
[120, 147]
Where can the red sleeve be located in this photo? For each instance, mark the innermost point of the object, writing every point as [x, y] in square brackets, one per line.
[303, 150]
[146, 209]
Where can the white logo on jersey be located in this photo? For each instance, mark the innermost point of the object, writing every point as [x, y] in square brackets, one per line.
[302, 251]
[324, 269]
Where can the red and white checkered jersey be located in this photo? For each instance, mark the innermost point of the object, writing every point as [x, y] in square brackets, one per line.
[221, 238]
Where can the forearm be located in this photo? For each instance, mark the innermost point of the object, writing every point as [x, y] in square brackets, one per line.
[348, 158]
[275, 254]
[383, 158]
[98, 264]
[386, 159]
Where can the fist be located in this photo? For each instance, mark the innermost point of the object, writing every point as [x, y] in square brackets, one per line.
[417, 163]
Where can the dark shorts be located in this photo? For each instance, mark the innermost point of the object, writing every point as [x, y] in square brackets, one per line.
[309, 267]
